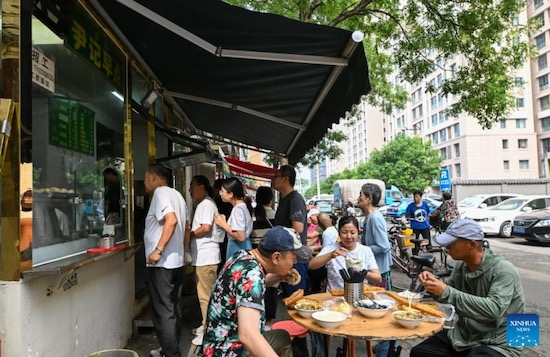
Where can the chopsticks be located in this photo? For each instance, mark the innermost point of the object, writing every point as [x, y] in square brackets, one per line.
[353, 276]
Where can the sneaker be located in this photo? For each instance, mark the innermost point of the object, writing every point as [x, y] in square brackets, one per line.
[156, 353]
[198, 331]
[197, 341]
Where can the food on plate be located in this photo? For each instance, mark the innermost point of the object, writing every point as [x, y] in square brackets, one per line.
[307, 304]
[409, 315]
[341, 307]
[293, 299]
[416, 305]
[293, 277]
[337, 292]
[410, 295]
[369, 289]
[353, 261]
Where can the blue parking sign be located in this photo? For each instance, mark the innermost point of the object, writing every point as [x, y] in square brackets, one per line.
[444, 180]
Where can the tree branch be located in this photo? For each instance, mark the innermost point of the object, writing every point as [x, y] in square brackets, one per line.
[358, 9]
[305, 16]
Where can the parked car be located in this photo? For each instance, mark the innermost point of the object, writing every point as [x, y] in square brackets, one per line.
[497, 220]
[533, 226]
[398, 208]
[472, 203]
[323, 205]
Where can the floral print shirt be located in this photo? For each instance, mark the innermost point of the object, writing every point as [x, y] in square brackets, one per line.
[240, 283]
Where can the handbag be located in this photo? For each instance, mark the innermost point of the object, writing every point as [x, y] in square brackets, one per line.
[260, 228]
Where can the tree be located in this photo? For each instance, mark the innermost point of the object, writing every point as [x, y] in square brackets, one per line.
[409, 163]
[418, 36]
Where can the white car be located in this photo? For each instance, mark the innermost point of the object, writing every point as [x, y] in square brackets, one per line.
[475, 202]
[497, 220]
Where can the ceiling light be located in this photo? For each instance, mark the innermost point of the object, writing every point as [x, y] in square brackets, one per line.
[118, 95]
[149, 98]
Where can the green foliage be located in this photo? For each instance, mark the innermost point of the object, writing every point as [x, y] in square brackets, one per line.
[409, 163]
[420, 36]
[327, 147]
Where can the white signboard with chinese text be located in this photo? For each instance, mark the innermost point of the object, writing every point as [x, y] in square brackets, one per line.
[43, 70]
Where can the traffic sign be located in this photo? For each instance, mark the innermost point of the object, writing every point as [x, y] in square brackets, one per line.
[444, 180]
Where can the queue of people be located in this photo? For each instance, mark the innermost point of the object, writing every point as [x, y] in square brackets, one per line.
[238, 287]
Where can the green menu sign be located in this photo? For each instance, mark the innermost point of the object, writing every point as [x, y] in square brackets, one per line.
[71, 126]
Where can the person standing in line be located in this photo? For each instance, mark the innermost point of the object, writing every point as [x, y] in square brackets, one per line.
[292, 213]
[376, 238]
[225, 209]
[239, 225]
[164, 250]
[419, 213]
[205, 250]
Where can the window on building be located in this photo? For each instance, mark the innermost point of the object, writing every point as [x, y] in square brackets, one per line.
[546, 145]
[540, 41]
[521, 123]
[540, 19]
[506, 165]
[538, 3]
[433, 102]
[441, 99]
[457, 150]
[414, 113]
[518, 82]
[503, 123]
[545, 124]
[542, 61]
[520, 102]
[443, 134]
[413, 97]
[420, 111]
[524, 164]
[435, 138]
[458, 170]
[543, 82]
[441, 117]
[515, 21]
[544, 102]
[522, 143]
[443, 152]
[439, 80]
[454, 68]
[505, 144]
[457, 130]
[434, 120]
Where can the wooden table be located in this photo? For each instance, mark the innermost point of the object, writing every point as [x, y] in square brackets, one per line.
[364, 328]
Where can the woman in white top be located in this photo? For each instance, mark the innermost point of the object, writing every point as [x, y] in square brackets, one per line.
[239, 225]
[334, 255]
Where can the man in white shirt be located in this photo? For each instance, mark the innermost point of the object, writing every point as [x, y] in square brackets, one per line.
[163, 238]
[205, 250]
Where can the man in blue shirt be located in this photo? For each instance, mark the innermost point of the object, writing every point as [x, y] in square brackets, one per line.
[419, 214]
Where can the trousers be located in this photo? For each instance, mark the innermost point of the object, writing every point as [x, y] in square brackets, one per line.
[206, 278]
[165, 290]
[439, 345]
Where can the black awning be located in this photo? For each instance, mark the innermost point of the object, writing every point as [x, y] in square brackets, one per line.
[269, 104]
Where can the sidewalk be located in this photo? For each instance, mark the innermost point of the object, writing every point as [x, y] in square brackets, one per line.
[146, 339]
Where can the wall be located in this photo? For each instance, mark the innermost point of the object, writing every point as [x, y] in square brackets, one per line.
[467, 188]
[93, 315]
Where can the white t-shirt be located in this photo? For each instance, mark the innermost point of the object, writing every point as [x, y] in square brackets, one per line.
[334, 279]
[330, 235]
[165, 200]
[240, 219]
[204, 249]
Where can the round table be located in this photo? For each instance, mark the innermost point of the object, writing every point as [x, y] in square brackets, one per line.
[364, 328]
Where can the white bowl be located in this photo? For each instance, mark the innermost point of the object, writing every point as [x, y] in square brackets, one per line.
[306, 313]
[409, 323]
[415, 296]
[363, 306]
[329, 319]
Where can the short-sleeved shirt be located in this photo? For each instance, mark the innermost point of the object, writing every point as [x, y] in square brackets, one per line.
[292, 207]
[204, 248]
[420, 216]
[165, 200]
[241, 283]
[361, 252]
[330, 235]
[240, 220]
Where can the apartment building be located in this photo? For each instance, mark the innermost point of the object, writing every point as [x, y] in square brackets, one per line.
[516, 147]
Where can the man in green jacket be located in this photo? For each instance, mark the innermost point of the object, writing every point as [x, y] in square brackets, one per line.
[484, 288]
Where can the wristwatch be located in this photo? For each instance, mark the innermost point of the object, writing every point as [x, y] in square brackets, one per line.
[158, 251]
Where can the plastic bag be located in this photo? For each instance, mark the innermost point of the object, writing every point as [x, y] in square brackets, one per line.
[338, 304]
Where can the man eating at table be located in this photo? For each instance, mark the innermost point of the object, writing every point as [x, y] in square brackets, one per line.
[484, 288]
[236, 313]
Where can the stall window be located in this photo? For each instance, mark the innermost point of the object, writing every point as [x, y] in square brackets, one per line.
[77, 150]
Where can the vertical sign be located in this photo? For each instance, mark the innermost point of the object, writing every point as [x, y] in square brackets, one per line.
[43, 70]
[444, 180]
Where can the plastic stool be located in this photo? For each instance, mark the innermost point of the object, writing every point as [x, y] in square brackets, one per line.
[293, 329]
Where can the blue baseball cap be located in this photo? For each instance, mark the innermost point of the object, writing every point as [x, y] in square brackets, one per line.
[463, 228]
[283, 239]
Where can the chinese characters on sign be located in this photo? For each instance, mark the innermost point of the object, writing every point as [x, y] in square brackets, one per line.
[43, 70]
[71, 126]
[91, 43]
